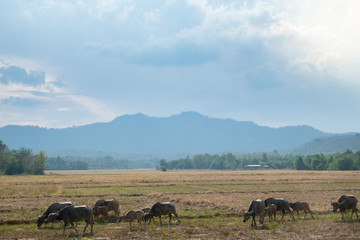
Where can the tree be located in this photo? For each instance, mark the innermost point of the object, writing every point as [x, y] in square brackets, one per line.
[299, 164]
[230, 161]
[21, 161]
[318, 162]
[14, 167]
[25, 158]
[202, 161]
[38, 164]
[265, 159]
[345, 163]
[218, 163]
[4, 157]
[56, 163]
[357, 163]
[186, 163]
[163, 163]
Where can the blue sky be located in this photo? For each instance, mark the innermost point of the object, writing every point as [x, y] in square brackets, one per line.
[277, 63]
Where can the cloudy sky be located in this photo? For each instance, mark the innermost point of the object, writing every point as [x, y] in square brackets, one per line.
[277, 63]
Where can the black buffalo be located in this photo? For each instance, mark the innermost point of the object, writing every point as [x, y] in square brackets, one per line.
[256, 208]
[73, 214]
[344, 203]
[53, 208]
[159, 209]
[281, 205]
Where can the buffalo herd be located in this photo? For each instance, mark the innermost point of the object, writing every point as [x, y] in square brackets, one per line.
[271, 205]
[69, 213]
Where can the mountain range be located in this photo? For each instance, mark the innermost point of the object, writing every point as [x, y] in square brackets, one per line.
[185, 133]
[328, 145]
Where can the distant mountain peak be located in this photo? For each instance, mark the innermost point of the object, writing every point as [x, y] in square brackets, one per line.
[130, 116]
[189, 114]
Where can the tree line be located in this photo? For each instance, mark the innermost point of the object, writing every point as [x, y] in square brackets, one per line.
[22, 161]
[91, 163]
[229, 161]
[339, 161]
[347, 160]
[60, 163]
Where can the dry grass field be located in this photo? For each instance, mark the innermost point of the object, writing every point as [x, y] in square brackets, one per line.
[208, 203]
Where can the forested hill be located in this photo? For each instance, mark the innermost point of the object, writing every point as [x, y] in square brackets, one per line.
[328, 145]
[186, 133]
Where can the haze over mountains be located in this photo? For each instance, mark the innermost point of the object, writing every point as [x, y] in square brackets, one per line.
[186, 133]
[328, 145]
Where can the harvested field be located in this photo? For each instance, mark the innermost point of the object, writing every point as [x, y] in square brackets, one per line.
[208, 203]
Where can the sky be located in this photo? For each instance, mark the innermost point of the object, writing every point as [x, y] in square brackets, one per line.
[276, 63]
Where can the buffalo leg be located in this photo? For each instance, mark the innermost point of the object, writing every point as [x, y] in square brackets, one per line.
[342, 215]
[65, 224]
[354, 210]
[91, 226]
[311, 214]
[177, 217]
[72, 224]
[283, 214]
[290, 214]
[87, 224]
[253, 222]
[262, 219]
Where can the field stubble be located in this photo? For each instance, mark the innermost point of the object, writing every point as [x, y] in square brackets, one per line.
[208, 202]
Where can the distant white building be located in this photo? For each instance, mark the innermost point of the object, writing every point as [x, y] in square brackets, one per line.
[255, 167]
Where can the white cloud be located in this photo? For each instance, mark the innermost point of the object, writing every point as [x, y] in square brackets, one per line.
[231, 31]
[147, 56]
[93, 106]
[63, 109]
[41, 103]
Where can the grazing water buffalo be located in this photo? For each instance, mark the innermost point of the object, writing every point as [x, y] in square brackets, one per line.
[133, 215]
[301, 206]
[344, 203]
[256, 208]
[100, 211]
[146, 210]
[270, 210]
[112, 205]
[73, 214]
[55, 207]
[281, 205]
[159, 209]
